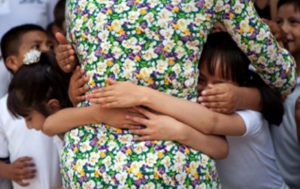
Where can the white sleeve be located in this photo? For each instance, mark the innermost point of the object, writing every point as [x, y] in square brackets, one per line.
[4, 153]
[253, 121]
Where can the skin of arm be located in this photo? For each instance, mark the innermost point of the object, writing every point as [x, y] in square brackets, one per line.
[162, 127]
[195, 115]
[126, 94]
[214, 146]
[251, 98]
[76, 117]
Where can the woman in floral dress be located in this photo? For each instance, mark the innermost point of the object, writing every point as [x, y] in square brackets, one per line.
[156, 44]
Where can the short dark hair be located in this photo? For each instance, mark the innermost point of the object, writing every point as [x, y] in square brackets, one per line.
[59, 13]
[235, 67]
[295, 3]
[33, 85]
[11, 40]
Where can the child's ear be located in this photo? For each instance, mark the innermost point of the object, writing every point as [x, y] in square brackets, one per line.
[53, 105]
[11, 63]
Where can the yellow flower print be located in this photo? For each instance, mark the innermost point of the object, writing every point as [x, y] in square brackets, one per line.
[160, 154]
[102, 154]
[143, 11]
[175, 9]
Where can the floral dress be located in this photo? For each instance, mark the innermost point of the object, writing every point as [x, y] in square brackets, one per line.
[156, 44]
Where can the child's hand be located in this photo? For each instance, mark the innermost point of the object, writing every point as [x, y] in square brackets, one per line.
[65, 55]
[118, 95]
[222, 98]
[77, 86]
[21, 170]
[116, 117]
[158, 127]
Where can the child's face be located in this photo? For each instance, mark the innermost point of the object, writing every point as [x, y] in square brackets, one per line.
[205, 78]
[32, 40]
[289, 19]
[35, 120]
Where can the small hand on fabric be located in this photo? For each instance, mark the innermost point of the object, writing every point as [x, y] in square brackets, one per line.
[118, 95]
[77, 86]
[21, 170]
[65, 54]
[156, 127]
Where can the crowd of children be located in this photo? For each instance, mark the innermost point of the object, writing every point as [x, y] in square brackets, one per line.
[248, 132]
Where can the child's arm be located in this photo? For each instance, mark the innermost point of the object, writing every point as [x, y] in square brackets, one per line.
[70, 118]
[19, 171]
[161, 127]
[126, 94]
[227, 98]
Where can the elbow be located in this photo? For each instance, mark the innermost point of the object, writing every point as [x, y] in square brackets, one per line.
[47, 129]
[222, 152]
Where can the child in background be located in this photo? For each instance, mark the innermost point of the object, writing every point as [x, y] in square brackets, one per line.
[33, 155]
[250, 144]
[58, 25]
[25, 103]
[286, 138]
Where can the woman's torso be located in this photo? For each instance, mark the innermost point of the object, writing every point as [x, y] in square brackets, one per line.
[155, 44]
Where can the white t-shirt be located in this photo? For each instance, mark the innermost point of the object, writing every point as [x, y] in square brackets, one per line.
[5, 78]
[251, 160]
[17, 141]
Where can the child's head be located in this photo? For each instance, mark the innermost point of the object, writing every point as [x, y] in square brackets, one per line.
[59, 15]
[59, 21]
[19, 40]
[288, 17]
[222, 61]
[38, 89]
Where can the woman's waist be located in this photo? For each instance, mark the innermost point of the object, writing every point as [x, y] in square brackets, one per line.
[105, 136]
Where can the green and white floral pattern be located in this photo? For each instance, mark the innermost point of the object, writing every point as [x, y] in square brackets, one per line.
[156, 44]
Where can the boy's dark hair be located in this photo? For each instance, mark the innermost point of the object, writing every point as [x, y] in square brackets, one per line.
[59, 13]
[221, 50]
[33, 85]
[11, 41]
[295, 3]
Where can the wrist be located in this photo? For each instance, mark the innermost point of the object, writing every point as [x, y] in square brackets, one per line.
[145, 96]
[5, 171]
[181, 133]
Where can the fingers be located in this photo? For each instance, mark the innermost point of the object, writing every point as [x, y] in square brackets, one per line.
[212, 91]
[144, 131]
[61, 39]
[211, 98]
[24, 169]
[139, 120]
[145, 112]
[65, 55]
[24, 159]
